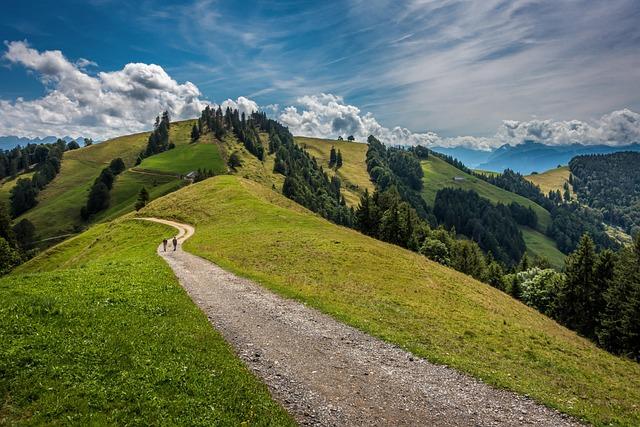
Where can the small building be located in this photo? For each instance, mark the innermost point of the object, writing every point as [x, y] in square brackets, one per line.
[458, 178]
[191, 175]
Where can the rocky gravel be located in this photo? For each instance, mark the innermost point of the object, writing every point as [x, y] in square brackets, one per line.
[326, 373]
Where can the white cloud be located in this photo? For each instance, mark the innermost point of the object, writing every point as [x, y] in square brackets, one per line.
[102, 106]
[242, 104]
[327, 116]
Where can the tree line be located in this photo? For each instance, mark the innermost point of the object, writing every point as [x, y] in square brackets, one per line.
[158, 141]
[610, 183]
[100, 192]
[596, 295]
[47, 159]
[569, 220]
[16, 242]
[244, 128]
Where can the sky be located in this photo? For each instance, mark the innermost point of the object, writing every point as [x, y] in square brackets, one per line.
[476, 74]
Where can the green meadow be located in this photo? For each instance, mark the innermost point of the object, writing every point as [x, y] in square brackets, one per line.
[97, 331]
[403, 298]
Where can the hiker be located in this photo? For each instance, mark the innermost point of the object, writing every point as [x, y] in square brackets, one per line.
[175, 243]
[164, 245]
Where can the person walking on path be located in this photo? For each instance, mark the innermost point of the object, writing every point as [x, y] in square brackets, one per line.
[164, 244]
[175, 243]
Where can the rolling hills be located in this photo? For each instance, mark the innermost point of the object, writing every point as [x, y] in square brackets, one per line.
[438, 174]
[58, 208]
[401, 297]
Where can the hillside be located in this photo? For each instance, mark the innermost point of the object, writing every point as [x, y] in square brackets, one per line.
[97, 331]
[58, 208]
[353, 174]
[551, 180]
[439, 174]
[401, 297]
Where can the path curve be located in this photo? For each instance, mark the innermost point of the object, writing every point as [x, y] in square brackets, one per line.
[326, 373]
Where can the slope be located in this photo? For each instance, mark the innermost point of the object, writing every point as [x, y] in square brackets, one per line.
[401, 297]
[353, 173]
[203, 154]
[439, 174]
[97, 331]
[58, 208]
[551, 180]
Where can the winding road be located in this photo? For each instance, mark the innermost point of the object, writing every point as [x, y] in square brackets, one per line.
[326, 373]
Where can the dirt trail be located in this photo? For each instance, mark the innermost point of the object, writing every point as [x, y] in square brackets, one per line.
[328, 374]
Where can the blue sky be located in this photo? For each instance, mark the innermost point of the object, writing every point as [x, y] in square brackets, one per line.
[450, 67]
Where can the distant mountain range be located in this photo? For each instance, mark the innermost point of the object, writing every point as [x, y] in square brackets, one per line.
[529, 156]
[9, 142]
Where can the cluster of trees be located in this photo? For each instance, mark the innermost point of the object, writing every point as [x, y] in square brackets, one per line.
[335, 158]
[202, 174]
[47, 158]
[570, 220]
[99, 195]
[350, 138]
[20, 159]
[610, 183]
[491, 226]
[244, 128]
[597, 295]
[305, 181]
[16, 243]
[158, 141]
[387, 217]
[395, 167]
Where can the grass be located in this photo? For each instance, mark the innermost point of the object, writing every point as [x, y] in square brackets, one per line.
[551, 180]
[97, 331]
[403, 298]
[183, 159]
[58, 208]
[252, 168]
[540, 245]
[353, 173]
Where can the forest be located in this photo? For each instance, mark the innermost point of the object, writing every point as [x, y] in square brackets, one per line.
[610, 183]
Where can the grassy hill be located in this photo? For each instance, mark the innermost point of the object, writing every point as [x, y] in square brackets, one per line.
[551, 180]
[403, 298]
[439, 174]
[353, 173]
[97, 331]
[7, 184]
[185, 158]
[58, 209]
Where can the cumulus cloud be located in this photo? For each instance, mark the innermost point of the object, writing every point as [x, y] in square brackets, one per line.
[101, 106]
[242, 104]
[328, 116]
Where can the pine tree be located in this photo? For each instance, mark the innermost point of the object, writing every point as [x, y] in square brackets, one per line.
[332, 157]
[338, 160]
[195, 133]
[143, 198]
[575, 296]
[619, 329]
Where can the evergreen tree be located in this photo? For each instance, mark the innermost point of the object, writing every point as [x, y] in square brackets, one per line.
[332, 157]
[24, 232]
[338, 160]
[23, 197]
[6, 232]
[9, 257]
[575, 297]
[195, 133]
[117, 166]
[143, 199]
[619, 329]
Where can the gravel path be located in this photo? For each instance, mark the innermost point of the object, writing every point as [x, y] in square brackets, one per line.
[328, 374]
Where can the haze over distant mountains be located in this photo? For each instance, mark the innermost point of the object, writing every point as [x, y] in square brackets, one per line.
[528, 157]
